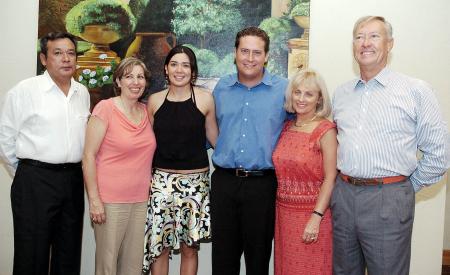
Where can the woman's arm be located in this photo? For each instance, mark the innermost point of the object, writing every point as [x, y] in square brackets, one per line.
[212, 130]
[328, 145]
[95, 132]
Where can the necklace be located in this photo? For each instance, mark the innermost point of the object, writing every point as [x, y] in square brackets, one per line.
[305, 123]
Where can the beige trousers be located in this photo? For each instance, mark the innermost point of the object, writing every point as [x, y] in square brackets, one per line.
[120, 241]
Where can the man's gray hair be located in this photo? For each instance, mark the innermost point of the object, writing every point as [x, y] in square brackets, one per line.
[366, 19]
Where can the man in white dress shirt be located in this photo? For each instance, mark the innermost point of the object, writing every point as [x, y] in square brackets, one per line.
[42, 126]
[383, 118]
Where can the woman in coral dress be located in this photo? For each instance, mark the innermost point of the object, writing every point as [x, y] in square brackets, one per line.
[305, 165]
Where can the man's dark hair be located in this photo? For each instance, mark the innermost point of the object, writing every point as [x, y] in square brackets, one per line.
[253, 31]
[52, 36]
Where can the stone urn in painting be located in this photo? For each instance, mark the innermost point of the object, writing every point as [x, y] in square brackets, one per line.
[100, 22]
[299, 47]
[100, 36]
[300, 14]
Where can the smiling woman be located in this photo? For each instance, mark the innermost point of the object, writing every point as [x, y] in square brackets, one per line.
[117, 165]
[183, 117]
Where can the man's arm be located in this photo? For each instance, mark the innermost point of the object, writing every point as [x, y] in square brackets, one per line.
[432, 141]
[9, 129]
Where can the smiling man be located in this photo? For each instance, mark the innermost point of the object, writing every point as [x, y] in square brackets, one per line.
[250, 115]
[383, 118]
[42, 127]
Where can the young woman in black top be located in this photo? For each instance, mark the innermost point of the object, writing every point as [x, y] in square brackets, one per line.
[183, 118]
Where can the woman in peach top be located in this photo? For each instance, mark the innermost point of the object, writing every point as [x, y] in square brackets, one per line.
[117, 165]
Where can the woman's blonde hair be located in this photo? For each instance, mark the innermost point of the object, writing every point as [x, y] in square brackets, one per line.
[312, 80]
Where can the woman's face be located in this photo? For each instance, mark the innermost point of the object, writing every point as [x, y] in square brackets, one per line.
[305, 100]
[179, 70]
[132, 84]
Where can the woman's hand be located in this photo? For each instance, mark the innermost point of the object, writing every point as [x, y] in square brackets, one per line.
[311, 232]
[97, 211]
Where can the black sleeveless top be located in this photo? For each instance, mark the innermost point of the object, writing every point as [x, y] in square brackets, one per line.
[180, 135]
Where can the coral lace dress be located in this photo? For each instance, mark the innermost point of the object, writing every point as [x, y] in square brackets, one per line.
[299, 169]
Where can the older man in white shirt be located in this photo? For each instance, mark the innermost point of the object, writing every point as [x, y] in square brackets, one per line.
[42, 127]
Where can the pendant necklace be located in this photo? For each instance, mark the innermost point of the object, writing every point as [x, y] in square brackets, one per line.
[305, 123]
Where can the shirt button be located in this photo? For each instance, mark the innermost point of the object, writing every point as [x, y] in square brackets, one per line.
[246, 103]
[245, 119]
[243, 135]
[242, 151]
[359, 127]
[240, 166]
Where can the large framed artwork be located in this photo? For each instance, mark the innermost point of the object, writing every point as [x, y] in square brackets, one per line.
[110, 30]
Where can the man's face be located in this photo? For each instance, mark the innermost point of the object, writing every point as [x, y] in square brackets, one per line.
[371, 45]
[61, 58]
[250, 57]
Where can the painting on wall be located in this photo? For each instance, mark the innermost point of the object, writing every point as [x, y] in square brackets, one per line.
[110, 30]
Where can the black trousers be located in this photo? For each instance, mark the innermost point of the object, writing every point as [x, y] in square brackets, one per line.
[242, 220]
[48, 207]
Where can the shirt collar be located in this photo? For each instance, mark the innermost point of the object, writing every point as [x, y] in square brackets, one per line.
[382, 78]
[50, 84]
[266, 80]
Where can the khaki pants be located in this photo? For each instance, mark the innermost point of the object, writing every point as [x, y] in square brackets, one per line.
[120, 241]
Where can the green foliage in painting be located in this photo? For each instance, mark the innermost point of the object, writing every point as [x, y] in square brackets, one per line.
[113, 13]
[294, 3]
[301, 9]
[202, 17]
[225, 65]
[138, 7]
[278, 30]
[209, 64]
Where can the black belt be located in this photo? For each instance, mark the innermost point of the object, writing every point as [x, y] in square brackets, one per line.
[243, 173]
[53, 166]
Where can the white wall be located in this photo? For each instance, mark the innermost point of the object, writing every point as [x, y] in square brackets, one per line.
[422, 49]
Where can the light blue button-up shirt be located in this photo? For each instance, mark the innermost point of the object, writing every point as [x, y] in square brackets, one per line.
[382, 124]
[250, 121]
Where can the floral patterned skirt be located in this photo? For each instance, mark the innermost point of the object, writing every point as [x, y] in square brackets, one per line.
[178, 212]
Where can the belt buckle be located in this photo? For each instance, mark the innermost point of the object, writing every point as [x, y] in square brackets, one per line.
[364, 182]
[242, 173]
[357, 181]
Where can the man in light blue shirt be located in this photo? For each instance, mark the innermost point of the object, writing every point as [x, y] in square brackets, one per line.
[383, 118]
[250, 116]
